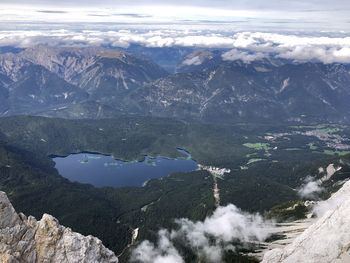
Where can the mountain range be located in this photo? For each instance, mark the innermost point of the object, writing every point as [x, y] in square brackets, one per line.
[207, 85]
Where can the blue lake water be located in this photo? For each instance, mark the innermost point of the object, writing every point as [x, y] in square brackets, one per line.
[102, 170]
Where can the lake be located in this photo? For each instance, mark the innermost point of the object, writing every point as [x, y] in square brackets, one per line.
[103, 170]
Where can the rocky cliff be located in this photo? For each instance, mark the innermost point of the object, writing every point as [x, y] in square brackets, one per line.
[327, 240]
[25, 239]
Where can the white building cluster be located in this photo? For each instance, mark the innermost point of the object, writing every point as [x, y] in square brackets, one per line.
[216, 171]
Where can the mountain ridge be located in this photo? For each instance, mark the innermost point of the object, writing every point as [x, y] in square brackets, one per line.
[209, 86]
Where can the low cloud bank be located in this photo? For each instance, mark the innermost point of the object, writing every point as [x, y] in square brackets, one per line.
[313, 186]
[208, 239]
[310, 188]
[247, 46]
[236, 54]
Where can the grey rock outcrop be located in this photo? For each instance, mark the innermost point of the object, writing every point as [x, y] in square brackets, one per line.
[325, 241]
[25, 239]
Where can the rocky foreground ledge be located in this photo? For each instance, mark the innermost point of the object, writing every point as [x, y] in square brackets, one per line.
[25, 239]
[325, 241]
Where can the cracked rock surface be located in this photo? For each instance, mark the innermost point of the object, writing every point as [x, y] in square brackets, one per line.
[25, 239]
[325, 241]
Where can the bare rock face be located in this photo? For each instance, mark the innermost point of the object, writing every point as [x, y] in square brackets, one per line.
[28, 240]
[327, 240]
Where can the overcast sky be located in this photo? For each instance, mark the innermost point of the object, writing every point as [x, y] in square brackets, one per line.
[235, 4]
[290, 14]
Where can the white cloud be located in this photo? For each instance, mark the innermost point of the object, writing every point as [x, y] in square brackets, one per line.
[192, 61]
[207, 239]
[235, 54]
[197, 58]
[246, 46]
[165, 252]
[294, 47]
[313, 186]
[310, 188]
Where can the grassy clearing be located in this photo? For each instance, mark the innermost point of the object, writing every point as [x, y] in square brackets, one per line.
[335, 152]
[254, 160]
[312, 146]
[258, 146]
[322, 128]
[329, 130]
